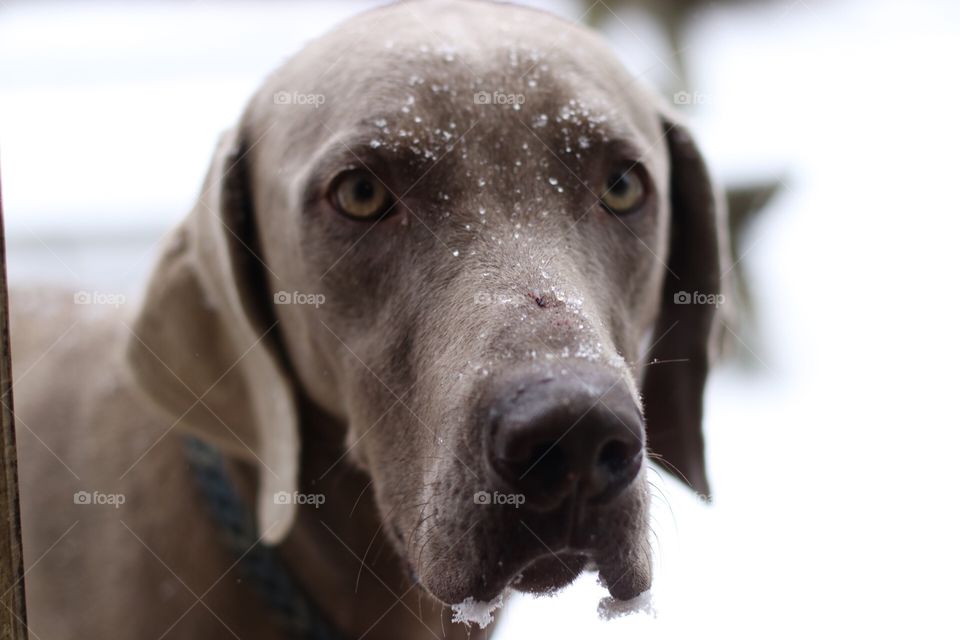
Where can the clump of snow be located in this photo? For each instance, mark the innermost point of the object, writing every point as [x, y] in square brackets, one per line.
[610, 608]
[470, 611]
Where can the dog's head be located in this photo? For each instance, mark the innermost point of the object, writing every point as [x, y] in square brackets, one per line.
[463, 230]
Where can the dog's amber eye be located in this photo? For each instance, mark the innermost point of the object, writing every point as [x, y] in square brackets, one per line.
[625, 191]
[359, 194]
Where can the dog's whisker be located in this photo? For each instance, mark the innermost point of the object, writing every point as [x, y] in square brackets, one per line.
[357, 502]
[666, 463]
[421, 520]
[363, 560]
[656, 537]
[426, 541]
[662, 495]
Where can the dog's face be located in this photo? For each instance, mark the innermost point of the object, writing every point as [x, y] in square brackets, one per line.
[482, 200]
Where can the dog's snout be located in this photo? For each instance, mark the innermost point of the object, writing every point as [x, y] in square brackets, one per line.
[552, 438]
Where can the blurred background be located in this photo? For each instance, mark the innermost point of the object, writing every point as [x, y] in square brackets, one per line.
[831, 424]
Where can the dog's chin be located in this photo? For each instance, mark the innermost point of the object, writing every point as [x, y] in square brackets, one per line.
[624, 577]
[543, 575]
[549, 573]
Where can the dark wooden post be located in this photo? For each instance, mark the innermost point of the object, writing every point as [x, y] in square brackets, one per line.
[13, 614]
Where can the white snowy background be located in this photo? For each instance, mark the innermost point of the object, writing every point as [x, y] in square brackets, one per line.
[834, 461]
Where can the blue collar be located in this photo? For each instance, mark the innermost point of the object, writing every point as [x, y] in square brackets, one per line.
[293, 610]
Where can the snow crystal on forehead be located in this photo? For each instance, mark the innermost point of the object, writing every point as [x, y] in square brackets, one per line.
[435, 105]
[409, 128]
[445, 52]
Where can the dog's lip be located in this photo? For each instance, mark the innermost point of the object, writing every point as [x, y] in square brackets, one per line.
[543, 573]
[559, 548]
[550, 572]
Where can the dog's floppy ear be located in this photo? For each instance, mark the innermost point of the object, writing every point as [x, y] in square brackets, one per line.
[203, 348]
[684, 337]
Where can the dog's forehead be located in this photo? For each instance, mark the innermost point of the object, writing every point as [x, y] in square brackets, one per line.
[462, 58]
[421, 75]
[430, 108]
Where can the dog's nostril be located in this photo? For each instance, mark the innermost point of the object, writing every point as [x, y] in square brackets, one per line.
[548, 466]
[541, 453]
[615, 457]
[617, 463]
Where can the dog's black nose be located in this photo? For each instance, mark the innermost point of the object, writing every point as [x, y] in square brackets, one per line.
[553, 437]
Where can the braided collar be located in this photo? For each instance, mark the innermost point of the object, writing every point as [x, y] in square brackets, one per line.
[291, 608]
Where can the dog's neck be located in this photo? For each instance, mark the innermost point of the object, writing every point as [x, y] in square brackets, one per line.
[339, 553]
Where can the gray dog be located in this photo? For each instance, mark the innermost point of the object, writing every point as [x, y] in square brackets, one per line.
[443, 298]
